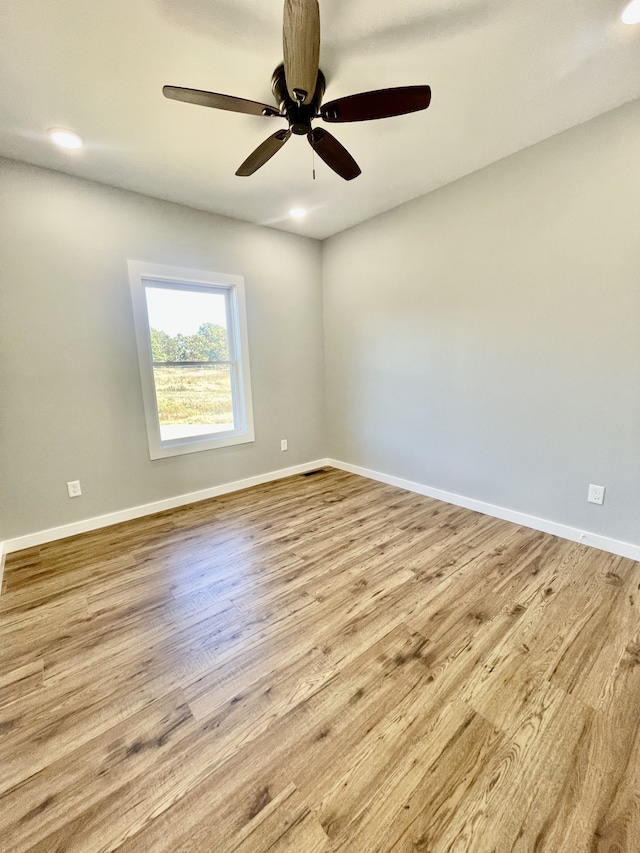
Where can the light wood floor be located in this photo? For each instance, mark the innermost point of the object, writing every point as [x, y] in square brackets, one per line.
[320, 664]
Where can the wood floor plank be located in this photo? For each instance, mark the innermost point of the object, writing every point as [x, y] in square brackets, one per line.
[305, 747]
[598, 808]
[588, 662]
[428, 795]
[479, 593]
[287, 825]
[61, 576]
[514, 793]
[38, 812]
[34, 734]
[320, 664]
[20, 682]
[560, 633]
[395, 770]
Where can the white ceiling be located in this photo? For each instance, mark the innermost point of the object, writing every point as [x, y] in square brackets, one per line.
[504, 74]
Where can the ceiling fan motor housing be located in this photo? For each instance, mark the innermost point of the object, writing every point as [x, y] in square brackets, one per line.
[299, 115]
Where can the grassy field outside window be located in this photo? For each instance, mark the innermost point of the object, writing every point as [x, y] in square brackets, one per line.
[193, 394]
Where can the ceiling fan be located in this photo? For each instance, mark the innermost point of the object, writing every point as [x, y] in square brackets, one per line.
[298, 87]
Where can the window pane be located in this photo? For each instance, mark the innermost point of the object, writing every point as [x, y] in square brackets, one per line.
[187, 325]
[193, 399]
[188, 332]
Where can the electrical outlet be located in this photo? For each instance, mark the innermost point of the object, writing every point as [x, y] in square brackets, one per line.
[596, 494]
[283, 444]
[73, 487]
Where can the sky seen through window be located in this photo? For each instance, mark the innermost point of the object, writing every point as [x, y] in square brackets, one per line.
[183, 311]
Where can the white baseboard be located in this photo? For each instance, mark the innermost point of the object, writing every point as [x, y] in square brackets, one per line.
[31, 540]
[613, 546]
[3, 554]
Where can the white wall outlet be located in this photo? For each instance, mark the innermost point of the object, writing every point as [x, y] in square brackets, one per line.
[283, 444]
[73, 487]
[596, 494]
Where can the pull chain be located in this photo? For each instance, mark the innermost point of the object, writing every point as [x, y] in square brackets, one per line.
[313, 162]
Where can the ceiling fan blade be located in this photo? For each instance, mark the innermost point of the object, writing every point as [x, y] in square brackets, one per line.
[382, 103]
[333, 153]
[263, 152]
[218, 102]
[301, 43]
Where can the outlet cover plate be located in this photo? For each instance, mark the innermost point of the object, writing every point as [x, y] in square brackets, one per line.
[596, 494]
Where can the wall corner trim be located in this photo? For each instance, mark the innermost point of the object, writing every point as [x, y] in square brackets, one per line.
[594, 540]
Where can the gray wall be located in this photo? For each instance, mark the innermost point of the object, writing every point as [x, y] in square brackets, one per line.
[485, 339]
[70, 400]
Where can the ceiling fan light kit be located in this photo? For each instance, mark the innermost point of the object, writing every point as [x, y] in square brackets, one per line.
[298, 86]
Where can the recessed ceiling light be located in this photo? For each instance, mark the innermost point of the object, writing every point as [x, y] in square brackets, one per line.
[631, 14]
[65, 138]
[297, 213]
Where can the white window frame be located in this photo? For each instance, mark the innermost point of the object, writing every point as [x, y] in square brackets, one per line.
[179, 278]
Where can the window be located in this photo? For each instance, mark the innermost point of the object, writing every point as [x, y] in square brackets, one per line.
[194, 363]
